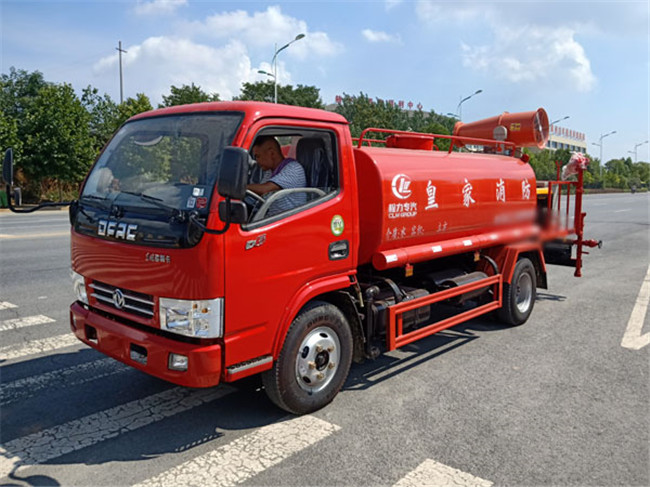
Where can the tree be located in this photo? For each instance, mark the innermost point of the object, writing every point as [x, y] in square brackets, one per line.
[304, 96]
[187, 94]
[543, 163]
[104, 117]
[48, 127]
[619, 167]
[56, 137]
[17, 91]
[363, 112]
[9, 134]
[133, 106]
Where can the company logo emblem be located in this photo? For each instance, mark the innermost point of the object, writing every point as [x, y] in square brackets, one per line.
[402, 186]
[110, 228]
[118, 299]
[256, 242]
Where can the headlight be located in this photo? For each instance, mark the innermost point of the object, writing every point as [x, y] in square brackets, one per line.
[79, 287]
[200, 319]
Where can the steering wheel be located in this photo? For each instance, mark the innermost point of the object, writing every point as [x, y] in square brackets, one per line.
[255, 196]
[253, 201]
[261, 212]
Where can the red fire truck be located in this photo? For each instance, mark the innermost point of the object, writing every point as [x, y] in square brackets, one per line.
[182, 273]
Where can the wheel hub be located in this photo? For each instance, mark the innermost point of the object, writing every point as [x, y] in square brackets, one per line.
[524, 293]
[318, 359]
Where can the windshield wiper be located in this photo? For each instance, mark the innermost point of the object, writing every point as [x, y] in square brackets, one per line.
[175, 212]
[93, 197]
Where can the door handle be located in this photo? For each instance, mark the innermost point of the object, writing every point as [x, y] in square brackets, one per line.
[339, 250]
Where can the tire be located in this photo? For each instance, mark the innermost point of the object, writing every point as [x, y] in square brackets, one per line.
[314, 362]
[519, 295]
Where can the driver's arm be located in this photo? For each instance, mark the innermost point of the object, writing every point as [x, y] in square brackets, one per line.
[263, 188]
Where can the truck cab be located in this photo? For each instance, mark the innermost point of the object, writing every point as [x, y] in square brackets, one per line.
[191, 307]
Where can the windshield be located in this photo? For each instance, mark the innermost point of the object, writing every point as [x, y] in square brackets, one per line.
[171, 161]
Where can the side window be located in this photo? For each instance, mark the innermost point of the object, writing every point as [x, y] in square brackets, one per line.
[292, 169]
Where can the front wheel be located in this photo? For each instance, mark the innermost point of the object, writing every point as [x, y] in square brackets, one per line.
[519, 295]
[314, 362]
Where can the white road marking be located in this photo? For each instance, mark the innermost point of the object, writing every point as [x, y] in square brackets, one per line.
[621, 211]
[34, 347]
[23, 322]
[247, 456]
[432, 473]
[633, 338]
[92, 429]
[6, 305]
[67, 377]
[4, 236]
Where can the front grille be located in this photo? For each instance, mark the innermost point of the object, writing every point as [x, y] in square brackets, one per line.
[125, 300]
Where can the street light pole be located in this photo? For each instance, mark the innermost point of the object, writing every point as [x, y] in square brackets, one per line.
[636, 146]
[274, 61]
[463, 100]
[558, 120]
[600, 144]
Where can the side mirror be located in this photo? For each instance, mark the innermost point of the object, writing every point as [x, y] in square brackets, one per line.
[233, 173]
[8, 167]
[235, 212]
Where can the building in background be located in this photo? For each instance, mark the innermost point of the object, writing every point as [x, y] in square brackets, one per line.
[564, 138]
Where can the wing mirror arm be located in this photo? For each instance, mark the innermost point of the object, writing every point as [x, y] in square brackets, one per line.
[8, 178]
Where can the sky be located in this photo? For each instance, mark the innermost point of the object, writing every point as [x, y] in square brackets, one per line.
[588, 60]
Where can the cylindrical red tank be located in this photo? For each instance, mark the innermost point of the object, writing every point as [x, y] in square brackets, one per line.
[525, 129]
[410, 198]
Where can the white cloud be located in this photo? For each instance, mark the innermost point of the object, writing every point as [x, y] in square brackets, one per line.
[379, 36]
[215, 53]
[530, 54]
[159, 62]
[435, 11]
[158, 7]
[543, 50]
[264, 29]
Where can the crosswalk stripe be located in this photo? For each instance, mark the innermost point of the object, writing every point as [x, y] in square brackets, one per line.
[6, 305]
[68, 377]
[247, 456]
[34, 347]
[432, 473]
[92, 429]
[23, 322]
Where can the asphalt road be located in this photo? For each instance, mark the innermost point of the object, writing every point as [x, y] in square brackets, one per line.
[557, 401]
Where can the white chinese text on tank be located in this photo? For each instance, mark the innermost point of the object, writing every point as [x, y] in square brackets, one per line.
[467, 194]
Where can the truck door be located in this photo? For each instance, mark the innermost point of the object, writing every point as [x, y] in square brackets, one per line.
[287, 245]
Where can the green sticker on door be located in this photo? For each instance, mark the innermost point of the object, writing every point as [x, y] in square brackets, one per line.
[337, 225]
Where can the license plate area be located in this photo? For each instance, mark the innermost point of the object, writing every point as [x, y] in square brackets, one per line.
[138, 353]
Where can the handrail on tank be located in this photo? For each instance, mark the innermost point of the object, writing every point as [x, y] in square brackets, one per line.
[355, 140]
[500, 145]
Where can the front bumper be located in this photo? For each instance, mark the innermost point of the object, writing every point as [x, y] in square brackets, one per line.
[119, 341]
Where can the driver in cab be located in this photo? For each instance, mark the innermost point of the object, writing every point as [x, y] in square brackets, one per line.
[286, 173]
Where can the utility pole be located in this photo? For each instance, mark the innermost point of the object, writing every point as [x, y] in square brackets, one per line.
[119, 48]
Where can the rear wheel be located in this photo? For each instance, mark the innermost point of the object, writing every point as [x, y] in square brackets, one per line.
[314, 361]
[519, 295]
